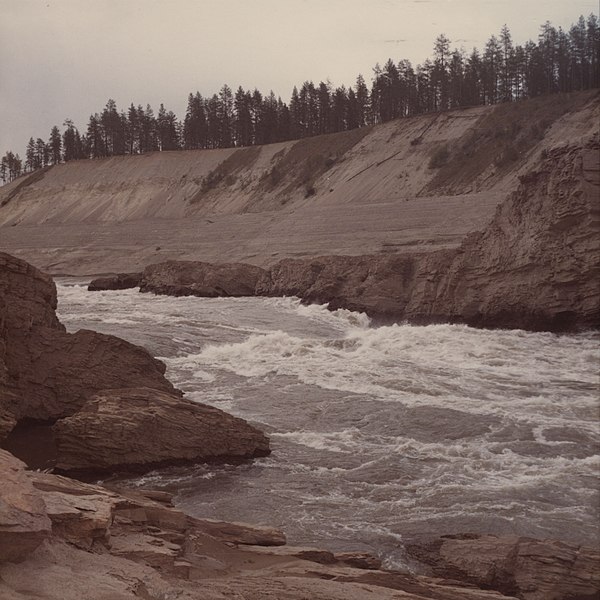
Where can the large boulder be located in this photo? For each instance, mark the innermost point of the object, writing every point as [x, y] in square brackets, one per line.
[191, 278]
[47, 373]
[527, 568]
[135, 429]
[24, 522]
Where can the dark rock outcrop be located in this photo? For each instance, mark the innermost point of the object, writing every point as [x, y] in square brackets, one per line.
[526, 568]
[190, 278]
[121, 281]
[123, 411]
[135, 429]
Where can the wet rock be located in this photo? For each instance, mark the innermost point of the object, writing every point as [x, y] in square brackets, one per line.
[317, 555]
[240, 533]
[121, 281]
[359, 560]
[24, 522]
[135, 429]
[526, 568]
[46, 373]
[190, 278]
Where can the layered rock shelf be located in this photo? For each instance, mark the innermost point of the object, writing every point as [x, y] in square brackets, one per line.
[61, 539]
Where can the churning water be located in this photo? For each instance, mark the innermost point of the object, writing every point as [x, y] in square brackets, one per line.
[379, 434]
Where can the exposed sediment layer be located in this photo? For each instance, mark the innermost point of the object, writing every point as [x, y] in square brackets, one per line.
[533, 267]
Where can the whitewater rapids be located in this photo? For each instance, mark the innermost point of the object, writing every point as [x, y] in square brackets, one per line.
[379, 435]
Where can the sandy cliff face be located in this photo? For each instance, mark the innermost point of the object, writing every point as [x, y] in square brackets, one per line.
[364, 191]
[535, 266]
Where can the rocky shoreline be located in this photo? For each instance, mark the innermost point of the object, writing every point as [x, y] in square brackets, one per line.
[533, 267]
[110, 408]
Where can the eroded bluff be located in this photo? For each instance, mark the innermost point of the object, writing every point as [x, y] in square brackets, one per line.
[535, 266]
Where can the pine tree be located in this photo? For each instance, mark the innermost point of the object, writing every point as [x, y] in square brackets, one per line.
[55, 144]
[30, 156]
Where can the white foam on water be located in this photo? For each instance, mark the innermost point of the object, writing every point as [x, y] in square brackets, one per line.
[331, 391]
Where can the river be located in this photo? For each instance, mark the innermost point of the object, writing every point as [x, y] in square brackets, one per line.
[379, 434]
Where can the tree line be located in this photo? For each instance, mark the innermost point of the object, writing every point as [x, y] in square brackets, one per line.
[560, 61]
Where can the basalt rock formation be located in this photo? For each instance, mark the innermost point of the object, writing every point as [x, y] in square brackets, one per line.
[47, 374]
[140, 428]
[535, 266]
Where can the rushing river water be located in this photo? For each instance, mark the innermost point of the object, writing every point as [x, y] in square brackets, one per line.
[379, 435]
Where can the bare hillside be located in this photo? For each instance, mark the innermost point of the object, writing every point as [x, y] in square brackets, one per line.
[420, 183]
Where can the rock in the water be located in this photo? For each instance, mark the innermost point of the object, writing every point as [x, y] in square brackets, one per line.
[121, 281]
[133, 429]
[24, 522]
[527, 568]
[240, 533]
[190, 278]
[46, 373]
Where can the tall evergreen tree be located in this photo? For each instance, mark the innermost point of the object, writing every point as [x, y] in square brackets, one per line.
[55, 144]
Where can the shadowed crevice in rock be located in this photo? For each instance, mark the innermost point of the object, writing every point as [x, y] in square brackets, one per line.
[33, 442]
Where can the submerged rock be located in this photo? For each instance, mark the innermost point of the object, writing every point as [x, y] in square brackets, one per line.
[135, 429]
[121, 281]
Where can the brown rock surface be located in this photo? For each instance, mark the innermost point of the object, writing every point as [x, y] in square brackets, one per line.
[534, 267]
[527, 568]
[46, 373]
[24, 523]
[139, 428]
[240, 533]
[189, 278]
[121, 281]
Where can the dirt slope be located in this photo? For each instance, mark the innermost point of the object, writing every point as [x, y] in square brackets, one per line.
[356, 192]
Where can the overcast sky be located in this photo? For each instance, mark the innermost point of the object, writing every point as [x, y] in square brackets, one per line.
[64, 58]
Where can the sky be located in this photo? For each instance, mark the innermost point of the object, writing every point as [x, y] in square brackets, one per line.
[64, 59]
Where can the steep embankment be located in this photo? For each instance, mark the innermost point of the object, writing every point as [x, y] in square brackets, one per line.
[535, 266]
[413, 184]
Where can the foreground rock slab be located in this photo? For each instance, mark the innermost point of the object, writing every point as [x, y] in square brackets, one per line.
[135, 429]
[24, 522]
[527, 568]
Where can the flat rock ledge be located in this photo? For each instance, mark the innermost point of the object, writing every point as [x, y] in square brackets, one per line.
[135, 429]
